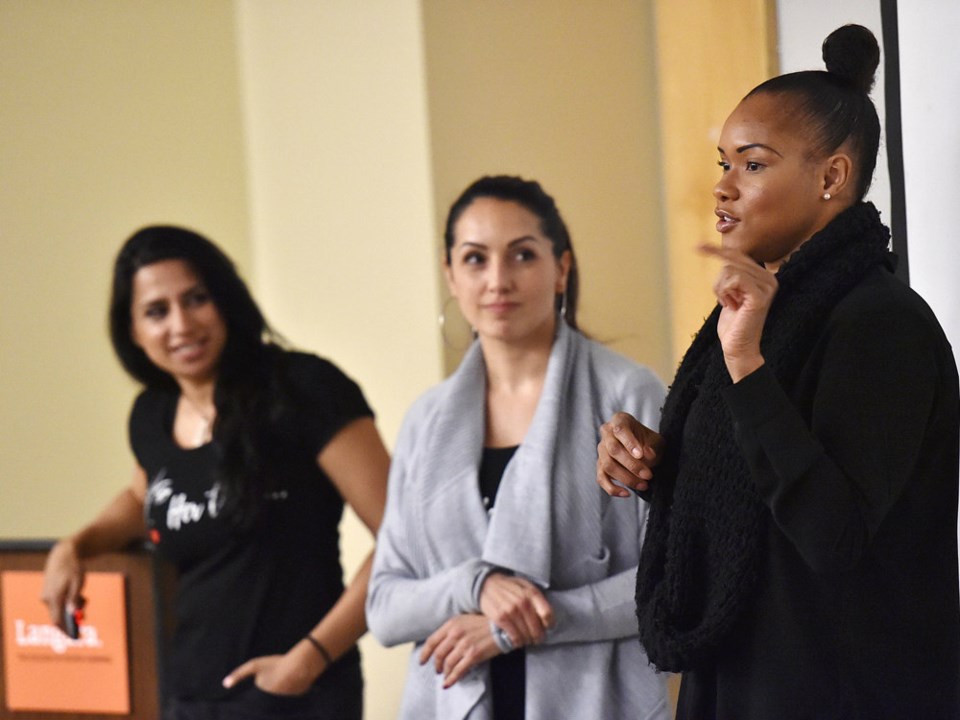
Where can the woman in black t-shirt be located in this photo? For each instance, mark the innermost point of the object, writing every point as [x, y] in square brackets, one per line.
[245, 454]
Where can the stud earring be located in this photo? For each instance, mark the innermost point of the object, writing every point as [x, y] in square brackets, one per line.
[826, 196]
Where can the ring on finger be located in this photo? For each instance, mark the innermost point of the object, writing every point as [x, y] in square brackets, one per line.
[501, 638]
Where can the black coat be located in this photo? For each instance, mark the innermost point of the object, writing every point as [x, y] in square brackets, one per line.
[801, 557]
[857, 612]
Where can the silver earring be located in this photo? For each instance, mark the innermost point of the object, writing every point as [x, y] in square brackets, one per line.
[827, 196]
[563, 305]
[444, 327]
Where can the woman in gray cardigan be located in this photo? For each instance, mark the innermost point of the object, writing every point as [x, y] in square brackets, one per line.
[514, 577]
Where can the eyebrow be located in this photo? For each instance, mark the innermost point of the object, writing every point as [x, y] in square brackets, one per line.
[517, 241]
[193, 288]
[744, 148]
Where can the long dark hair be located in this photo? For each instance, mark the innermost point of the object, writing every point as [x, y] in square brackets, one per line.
[534, 198]
[246, 394]
[835, 105]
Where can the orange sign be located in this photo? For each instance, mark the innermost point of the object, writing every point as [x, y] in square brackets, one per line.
[47, 670]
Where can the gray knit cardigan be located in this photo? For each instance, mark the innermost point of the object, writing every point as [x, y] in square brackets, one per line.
[551, 524]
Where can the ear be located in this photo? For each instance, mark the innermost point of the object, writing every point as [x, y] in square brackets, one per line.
[563, 264]
[837, 174]
[448, 276]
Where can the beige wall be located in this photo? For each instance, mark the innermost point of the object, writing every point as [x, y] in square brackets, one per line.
[340, 203]
[341, 213]
[320, 143]
[112, 115]
[705, 67]
[562, 91]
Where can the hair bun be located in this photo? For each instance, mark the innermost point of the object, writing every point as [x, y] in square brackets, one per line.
[851, 52]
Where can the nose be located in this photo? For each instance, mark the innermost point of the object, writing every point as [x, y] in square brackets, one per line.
[180, 319]
[498, 277]
[725, 189]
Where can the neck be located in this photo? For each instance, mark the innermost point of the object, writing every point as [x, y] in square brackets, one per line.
[513, 365]
[826, 218]
[199, 395]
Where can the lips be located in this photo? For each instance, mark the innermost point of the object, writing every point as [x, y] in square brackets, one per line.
[500, 307]
[190, 350]
[727, 222]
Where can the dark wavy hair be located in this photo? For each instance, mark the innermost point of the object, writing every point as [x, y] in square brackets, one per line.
[247, 396]
[534, 198]
[835, 104]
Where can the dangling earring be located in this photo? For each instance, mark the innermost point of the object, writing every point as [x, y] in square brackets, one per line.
[444, 326]
[563, 305]
[827, 196]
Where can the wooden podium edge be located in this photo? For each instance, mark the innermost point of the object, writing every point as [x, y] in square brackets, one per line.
[149, 587]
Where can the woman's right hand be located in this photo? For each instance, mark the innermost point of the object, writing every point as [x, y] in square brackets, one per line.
[461, 643]
[62, 581]
[516, 606]
[626, 455]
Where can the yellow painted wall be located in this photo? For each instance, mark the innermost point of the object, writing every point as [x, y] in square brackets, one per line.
[320, 144]
[339, 179]
[112, 115]
[341, 211]
[709, 55]
[562, 91]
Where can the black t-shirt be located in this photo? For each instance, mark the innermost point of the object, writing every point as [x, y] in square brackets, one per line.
[245, 593]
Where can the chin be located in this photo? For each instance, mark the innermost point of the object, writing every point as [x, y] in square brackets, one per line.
[736, 240]
[730, 243]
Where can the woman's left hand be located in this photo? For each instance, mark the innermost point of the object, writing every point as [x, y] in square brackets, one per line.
[745, 290]
[517, 606]
[461, 643]
[289, 674]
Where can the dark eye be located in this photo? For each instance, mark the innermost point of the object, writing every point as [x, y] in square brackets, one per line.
[197, 297]
[156, 311]
[526, 255]
[723, 164]
[753, 166]
[473, 258]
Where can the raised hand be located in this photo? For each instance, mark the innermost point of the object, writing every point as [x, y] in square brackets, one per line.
[745, 290]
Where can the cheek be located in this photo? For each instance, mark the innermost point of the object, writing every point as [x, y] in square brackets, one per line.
[213, 317]
[465, 296]
[460, 282]
[140, 335]
[545, 289]
[470, 285]
[758, 199]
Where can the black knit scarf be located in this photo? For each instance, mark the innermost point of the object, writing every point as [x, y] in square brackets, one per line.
[703, 551]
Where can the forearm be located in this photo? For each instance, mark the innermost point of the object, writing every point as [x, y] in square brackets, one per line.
[827, 496]
[116, 526]
[346, 622]
[600, 611]
[119, 524]
[810, 499]
[403, 609]
[338, 630]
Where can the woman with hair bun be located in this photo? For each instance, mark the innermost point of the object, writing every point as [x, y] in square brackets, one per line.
[801, 557]
[245, 454]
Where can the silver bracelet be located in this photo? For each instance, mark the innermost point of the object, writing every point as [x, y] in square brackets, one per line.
[501, 638]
